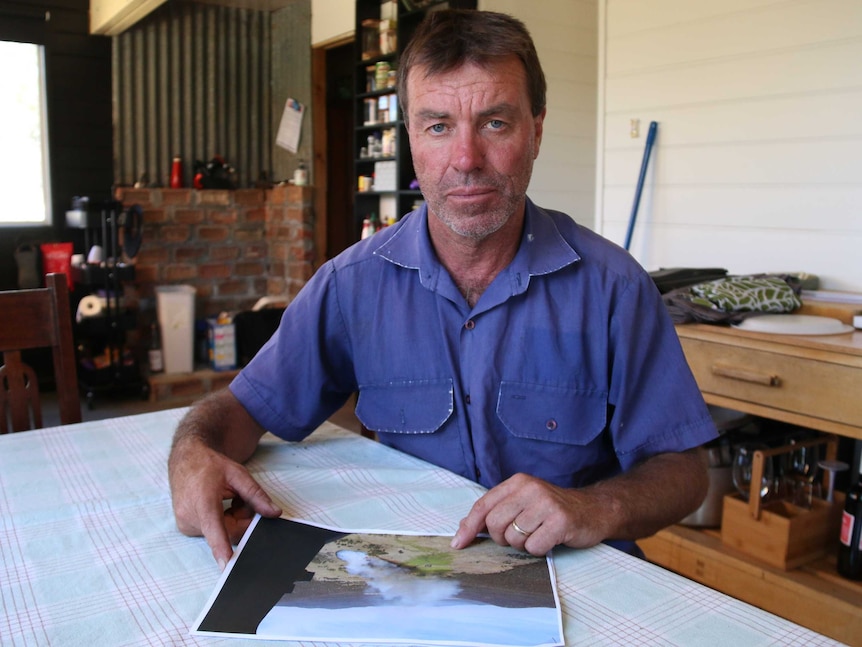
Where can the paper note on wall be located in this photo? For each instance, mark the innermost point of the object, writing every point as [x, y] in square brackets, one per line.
[291, 125]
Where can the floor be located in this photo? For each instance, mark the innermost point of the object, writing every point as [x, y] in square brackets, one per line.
[102, 407]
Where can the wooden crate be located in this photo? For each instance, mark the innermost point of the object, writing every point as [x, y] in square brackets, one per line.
[779, 533]
[785, 536]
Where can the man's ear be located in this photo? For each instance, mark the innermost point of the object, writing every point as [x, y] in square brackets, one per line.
[539, 125]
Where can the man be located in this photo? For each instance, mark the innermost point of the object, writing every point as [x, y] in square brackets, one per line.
[491, 337]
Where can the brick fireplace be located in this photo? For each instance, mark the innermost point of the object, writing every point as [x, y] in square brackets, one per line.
[233, 247]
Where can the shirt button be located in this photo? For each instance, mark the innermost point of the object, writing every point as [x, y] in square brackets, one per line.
[470, 324]
[551, 424]
[467, 399]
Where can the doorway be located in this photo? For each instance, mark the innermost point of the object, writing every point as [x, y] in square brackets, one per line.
[333, 69]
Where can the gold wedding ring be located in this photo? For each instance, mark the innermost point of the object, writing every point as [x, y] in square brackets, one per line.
[520, 530]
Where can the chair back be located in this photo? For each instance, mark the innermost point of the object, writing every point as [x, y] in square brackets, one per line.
[37, 318]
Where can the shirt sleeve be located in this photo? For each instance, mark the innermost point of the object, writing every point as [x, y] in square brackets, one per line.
[655, 403]
[304, 373]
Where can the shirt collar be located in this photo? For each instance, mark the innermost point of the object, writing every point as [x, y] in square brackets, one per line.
[543, 249]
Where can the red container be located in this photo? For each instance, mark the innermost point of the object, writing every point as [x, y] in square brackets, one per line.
[57, 257]
[177, 173]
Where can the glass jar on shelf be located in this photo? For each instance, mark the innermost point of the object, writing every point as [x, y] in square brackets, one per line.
[370, 38]
[388, 37]
[381, 74]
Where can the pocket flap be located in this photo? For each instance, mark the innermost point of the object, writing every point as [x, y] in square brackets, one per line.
[556, 414]
[408, 407]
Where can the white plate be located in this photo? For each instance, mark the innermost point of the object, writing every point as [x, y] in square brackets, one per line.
[794, 325]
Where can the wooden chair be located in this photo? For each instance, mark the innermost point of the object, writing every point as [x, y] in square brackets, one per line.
[38, 318]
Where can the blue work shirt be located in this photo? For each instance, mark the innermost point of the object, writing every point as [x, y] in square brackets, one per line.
[568, 367]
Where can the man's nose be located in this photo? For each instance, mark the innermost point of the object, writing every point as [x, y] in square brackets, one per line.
[469, 153]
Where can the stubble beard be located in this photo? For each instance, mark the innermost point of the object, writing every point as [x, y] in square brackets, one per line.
[479, 222]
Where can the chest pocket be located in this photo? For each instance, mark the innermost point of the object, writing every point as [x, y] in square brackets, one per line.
[407, 407]
[553, 414]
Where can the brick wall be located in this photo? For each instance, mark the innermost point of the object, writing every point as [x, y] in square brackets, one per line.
[233, 247]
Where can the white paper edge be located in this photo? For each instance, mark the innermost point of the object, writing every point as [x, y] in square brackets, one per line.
[220, 583]
[218, 587]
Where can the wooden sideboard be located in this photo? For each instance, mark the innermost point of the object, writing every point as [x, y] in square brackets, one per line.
[812, 381]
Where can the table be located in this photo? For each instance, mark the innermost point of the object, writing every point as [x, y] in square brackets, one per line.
[90, 555]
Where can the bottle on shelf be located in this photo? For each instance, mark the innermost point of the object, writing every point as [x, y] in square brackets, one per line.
[850, 548]
[370, 226]
[300, 174]
[157, 363]
[177, 173]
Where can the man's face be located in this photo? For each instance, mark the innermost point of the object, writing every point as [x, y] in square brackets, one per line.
[474, 140]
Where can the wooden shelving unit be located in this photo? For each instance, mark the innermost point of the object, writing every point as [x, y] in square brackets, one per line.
[400, 198]
[813, 382]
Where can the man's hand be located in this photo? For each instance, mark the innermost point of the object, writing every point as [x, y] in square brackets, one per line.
[532, 515]
[204, 471]
[201, 480]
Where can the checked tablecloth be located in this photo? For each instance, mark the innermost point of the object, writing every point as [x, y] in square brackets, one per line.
[90, 555]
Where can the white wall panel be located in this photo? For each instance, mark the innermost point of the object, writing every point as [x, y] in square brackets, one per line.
[781, 164]
[788, 118]
[565, 12]
[759, 250]
[794, 207]
[758, 161]
[627, 16]
[571, 203]
[771, 28]
[827, 68]
[565, 33]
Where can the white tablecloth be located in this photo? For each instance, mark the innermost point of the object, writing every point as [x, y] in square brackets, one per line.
[90, 555]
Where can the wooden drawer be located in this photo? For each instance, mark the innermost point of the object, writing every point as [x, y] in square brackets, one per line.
[806, 384]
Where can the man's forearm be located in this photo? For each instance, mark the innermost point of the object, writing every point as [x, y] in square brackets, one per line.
[220, 422]
[204, 471]
[655, 494]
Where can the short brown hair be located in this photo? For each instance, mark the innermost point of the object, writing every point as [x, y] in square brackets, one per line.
[448, 39]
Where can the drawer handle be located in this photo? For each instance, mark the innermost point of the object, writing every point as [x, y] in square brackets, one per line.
[745, 375]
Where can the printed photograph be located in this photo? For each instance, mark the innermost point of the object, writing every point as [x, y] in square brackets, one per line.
[386, 588]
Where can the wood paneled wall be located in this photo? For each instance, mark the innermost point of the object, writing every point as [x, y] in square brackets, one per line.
[758, 162]
[565, 33]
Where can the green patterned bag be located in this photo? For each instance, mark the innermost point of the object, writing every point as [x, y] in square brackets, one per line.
[746, 294]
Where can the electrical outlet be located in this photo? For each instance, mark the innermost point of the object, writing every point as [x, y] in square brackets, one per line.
[635, 129]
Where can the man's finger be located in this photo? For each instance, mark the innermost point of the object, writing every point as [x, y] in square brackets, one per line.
[250, 491]
[215, 532]
[474, 523]
[468, 530]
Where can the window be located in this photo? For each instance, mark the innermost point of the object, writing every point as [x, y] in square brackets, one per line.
[24, 172]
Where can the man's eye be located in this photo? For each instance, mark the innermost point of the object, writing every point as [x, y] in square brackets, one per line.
[437, 128]
[495, 124]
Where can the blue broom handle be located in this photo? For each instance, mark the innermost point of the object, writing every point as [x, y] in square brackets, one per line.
[653, 126]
